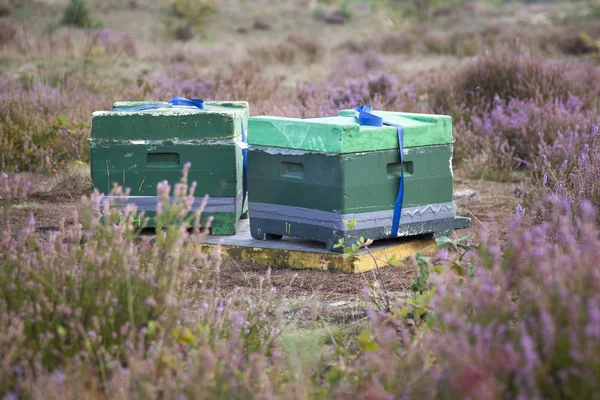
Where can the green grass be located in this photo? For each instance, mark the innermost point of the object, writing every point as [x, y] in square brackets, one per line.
[27, 205]
[303, 347]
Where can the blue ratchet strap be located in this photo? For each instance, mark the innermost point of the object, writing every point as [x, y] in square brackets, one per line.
[365, 117]
[198, 103]
[245, 161]
[175, 101]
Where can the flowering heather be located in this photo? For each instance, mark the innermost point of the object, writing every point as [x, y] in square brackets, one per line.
[354, 65]
[575, 180]
[381, 90]
[114, 42]
[11, 188]
[293, 49]
[512, 72]
[44, 125]
[515, 134]
[91, 293]
[91, 310]
[527, 325]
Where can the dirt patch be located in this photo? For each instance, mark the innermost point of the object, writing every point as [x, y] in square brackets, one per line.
[336, 296]
[47, 212]
[310, 293]
[332, 286]
[489, 204]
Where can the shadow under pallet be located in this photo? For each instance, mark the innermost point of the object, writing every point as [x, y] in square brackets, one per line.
[307, 254]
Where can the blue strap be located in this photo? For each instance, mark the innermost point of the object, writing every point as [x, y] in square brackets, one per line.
[245, 158]
[365, 117]
[180, 101]
[199, 103]
[175, 101]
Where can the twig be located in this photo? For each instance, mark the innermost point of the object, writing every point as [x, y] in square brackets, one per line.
[478, 220]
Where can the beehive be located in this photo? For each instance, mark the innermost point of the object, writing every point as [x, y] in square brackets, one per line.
[306, 176]
[138, 149]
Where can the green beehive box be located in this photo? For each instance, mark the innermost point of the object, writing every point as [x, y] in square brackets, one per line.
[306, 176]
[139, 149]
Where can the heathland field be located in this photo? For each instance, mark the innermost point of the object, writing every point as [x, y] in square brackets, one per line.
[508, 308]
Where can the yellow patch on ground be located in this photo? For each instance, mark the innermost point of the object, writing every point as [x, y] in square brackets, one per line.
[298, 259]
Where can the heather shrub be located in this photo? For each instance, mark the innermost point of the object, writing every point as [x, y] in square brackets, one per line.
[11, 188]
[6, 8]
[185, 17]
[424, 9]
[575, 179]
[8, 31]
[73, 180]
[95, 300]
[45, 122]
[261, 24]
[577, 44]
[184, 33]
[515, 134]
[522, 322]
[114, 42]
[209, 360]
[381, 90]
[335, 18]
[77, 13]
[294, 49]
[232, 81]
[391, 363]
[345, 12]
[528, 324]
[398, 42]
[462, 44]
[356, 66]
[575, 40]
[86, 291]
[511, 73]
[319, 14]
[354, 46]
[36, 137]
[506, 106]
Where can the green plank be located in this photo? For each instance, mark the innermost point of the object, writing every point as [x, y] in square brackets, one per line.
[140, 165]
[219, 120]
[342, 134]
[349, 183]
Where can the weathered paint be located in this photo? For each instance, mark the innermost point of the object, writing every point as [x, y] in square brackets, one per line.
[342, 134]
[217, 169]
[273, 229]
[349, 183]
[297, 259]
[149, 203]
[308, 174]
[218, 120]
[366, 220]
[139, 149]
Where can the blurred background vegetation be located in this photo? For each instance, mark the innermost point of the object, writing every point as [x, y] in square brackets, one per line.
[67, 58]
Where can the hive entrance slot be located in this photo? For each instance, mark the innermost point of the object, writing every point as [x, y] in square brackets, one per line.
[162, 160]
[393, 169]
[292, 170]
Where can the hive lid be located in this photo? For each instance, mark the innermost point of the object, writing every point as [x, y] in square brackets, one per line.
[218, 120]
[342, 134]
